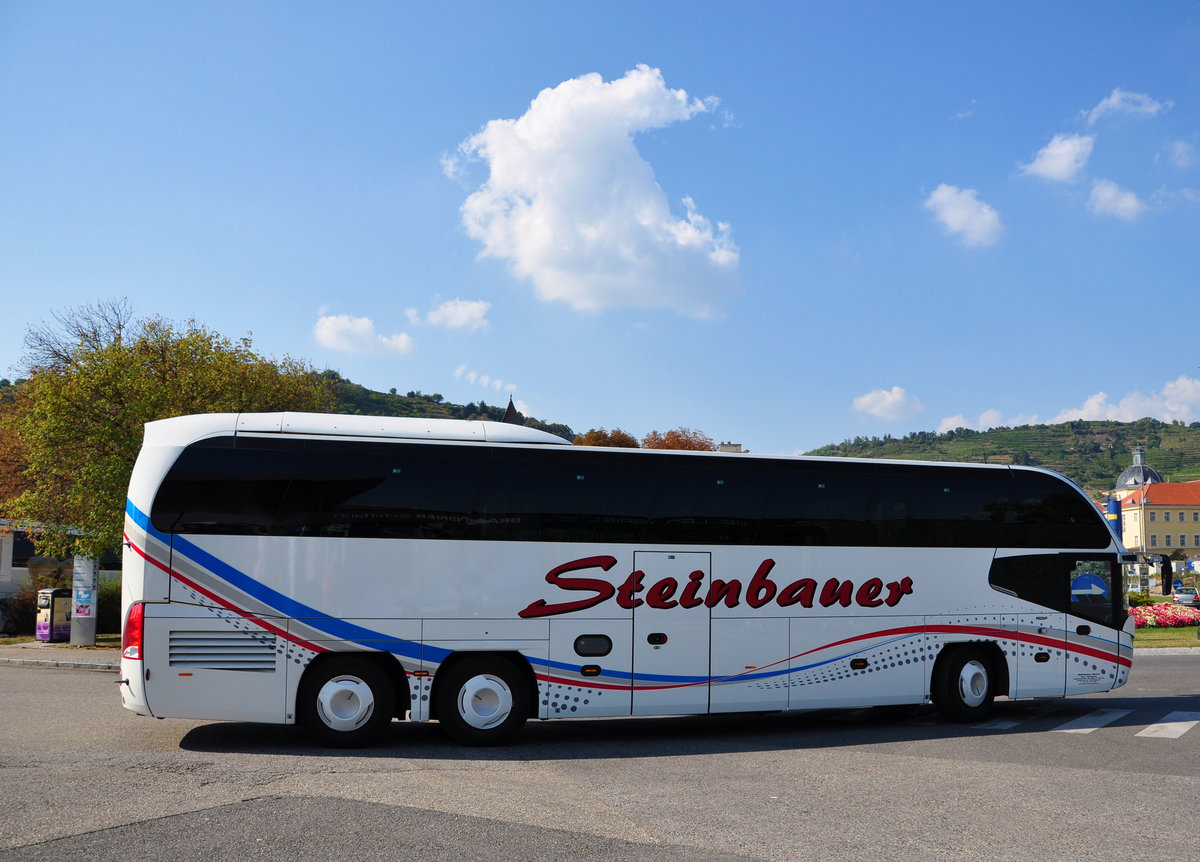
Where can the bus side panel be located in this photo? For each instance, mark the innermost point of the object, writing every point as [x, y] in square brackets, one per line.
[214, 664]
[827, 652]
[749, 664]
[145, 561]
[605, 648]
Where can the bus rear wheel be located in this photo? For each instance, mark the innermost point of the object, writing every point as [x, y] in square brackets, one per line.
[962, 684]
[483, 701]
[346, 702]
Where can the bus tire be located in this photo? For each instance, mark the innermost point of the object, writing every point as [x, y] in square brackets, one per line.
[482, 700]
[963, 684]
[346, 701]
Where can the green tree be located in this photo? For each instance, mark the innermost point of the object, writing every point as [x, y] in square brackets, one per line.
[80, 414]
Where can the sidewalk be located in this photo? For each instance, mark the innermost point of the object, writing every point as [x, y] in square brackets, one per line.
[40, 654]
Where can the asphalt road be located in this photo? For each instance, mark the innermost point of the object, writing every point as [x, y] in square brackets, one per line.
[1107, 777]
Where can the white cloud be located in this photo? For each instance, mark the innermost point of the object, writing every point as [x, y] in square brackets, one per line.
[1181, 153]
[1121, 102]
[486, 381]
[951, 423]
[990, 418]
[358, 335]
[571, 205]
[1108, 198]
[987, 419]
[468, 314]
[961, 212]
[1177, 400]
[891, 404]
[1062, 159]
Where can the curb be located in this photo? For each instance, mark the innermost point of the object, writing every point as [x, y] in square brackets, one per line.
[73, 665]
[103, 658]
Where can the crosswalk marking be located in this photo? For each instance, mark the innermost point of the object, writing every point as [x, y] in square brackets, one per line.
[1172, 725]
[1092, 720]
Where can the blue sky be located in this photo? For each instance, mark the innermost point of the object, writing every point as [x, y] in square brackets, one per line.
[782, 224]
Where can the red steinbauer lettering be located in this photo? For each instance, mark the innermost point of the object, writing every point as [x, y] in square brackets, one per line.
[669, 593]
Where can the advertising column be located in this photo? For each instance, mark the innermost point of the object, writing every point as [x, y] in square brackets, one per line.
[85, 589]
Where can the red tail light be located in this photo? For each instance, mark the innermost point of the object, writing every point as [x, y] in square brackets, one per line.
[131, 632]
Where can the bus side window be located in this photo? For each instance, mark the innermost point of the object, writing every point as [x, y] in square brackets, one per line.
[1046, 512]
[1061, 582]
[1091, 585]
[818, 505]
[1038, 578]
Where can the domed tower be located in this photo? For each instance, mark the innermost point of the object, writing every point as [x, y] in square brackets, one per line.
[1137, 476]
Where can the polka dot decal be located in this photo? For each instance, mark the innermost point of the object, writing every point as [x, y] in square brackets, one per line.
[560, 700]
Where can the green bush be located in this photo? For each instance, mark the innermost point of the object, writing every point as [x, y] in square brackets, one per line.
[19, 612]
[1137, 600]
[108, 605]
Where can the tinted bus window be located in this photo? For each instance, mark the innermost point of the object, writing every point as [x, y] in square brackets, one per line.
[568, 496]
[714, 501]
[1086, 586]
[818, 504]
[939, 506]
[382, 490]
[260, 486]
[214, 487]
[1046, 512]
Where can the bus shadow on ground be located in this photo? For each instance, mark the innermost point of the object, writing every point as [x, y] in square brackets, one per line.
[676, 736]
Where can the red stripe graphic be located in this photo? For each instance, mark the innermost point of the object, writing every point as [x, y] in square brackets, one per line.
[209, 594]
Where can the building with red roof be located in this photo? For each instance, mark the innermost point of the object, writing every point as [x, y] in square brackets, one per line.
[1162, 517]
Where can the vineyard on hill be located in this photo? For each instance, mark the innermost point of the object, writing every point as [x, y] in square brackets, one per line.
[1091, 453]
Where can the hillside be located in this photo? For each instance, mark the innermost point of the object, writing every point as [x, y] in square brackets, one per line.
[1091, 453]
[356, 399]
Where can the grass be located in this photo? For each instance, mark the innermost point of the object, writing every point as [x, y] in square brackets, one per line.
[1184, 636]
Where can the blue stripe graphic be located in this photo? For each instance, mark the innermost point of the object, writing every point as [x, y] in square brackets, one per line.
[277, 601]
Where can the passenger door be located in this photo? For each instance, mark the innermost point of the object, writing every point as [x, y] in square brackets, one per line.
[1091, 638]
[671, 640]
[1041, 654]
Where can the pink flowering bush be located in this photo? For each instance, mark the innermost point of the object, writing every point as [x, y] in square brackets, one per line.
[1165, 615]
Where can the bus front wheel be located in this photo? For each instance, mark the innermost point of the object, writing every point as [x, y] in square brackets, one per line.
[962, 684]
[482, 701]
[346, 702]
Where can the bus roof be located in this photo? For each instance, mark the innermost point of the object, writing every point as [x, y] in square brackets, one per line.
[181, 430]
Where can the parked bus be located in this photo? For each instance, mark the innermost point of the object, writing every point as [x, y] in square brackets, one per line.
[340, 571]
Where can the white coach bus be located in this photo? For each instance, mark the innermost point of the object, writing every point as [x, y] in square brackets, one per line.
[339, 571]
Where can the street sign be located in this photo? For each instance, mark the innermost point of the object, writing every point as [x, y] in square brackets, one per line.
[1089, 584]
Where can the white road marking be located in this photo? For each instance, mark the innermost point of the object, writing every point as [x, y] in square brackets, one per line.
[1091, 721]
[1172, 725]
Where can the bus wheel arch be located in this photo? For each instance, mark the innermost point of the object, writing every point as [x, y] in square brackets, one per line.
[484, 698]
[347, 700]
[966, 678]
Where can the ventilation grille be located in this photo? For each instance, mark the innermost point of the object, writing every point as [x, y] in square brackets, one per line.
[253, 651]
